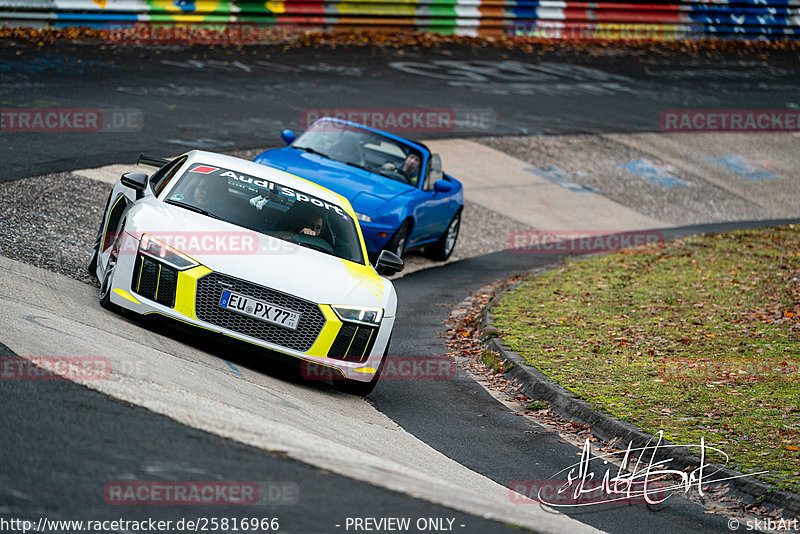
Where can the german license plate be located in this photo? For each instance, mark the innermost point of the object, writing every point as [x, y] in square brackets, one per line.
[259, 309]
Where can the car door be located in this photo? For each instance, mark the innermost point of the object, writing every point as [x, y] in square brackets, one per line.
[433, 209]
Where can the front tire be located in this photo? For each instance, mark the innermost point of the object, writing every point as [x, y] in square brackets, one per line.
[92, 267]
[362, 389]
[443, 248]
[399, 240]
[107, 283]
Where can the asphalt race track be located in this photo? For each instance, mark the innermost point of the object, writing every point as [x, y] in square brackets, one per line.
[168, 100]
[207, 411]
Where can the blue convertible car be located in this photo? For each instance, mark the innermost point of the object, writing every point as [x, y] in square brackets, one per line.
[401, 196]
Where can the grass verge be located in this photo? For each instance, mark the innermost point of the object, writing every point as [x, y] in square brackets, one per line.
[698, 338]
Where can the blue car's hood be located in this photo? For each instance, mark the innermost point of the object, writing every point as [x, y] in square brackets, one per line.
[357, 185]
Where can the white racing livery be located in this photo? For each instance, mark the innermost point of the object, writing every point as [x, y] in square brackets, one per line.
[250, 252]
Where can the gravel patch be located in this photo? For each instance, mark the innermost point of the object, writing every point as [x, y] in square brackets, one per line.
[482, 231]
[591, 160]
[51, 222]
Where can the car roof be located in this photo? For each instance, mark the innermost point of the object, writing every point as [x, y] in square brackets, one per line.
[415, 144]
[263, 171]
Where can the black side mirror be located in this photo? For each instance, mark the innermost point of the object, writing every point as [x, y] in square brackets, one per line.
[389, 263]
[136, 181]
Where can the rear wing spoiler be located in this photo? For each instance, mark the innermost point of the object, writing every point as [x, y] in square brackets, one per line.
[151, 161]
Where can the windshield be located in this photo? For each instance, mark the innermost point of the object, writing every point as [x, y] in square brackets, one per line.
[269, 208]
[364, 149]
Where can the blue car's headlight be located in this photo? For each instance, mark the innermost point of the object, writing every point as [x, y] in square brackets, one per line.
[363, 217]
[359, 314]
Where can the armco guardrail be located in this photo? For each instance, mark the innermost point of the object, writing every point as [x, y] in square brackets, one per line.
[742, 19]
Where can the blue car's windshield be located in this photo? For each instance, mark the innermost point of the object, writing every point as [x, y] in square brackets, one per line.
[364, 149]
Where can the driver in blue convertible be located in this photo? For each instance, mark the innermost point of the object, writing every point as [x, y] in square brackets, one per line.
[409, 169]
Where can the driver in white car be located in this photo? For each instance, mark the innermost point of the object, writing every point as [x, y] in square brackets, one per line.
[313, 226]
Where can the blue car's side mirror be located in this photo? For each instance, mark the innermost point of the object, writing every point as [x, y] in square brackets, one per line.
[288, 136]
[442, 186]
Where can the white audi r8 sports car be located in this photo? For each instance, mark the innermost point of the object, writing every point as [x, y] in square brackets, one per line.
[253, 253]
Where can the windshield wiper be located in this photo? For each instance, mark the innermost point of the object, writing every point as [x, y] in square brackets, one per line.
[312, 151]
[190, 207]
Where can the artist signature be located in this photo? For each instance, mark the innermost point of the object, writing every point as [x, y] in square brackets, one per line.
[638, 477]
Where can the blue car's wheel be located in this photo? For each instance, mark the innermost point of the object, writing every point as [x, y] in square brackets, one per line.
[397, 243]
[444, 247]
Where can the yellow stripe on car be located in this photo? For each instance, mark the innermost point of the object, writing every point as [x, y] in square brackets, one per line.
[124, 294]
[141, 268]
[366, 276]
[350, 211]
[364, 352]
[158, 282]
[186, 289]
[328, 335]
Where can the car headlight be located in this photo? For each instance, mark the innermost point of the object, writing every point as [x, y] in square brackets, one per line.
[363, 217]
[164, 253]
[360, 315]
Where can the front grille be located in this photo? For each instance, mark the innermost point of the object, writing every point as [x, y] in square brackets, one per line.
[154, 280]
[209, 293]
[353, 343]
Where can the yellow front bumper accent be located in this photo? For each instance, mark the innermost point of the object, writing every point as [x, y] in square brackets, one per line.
[187, 288]
[124, 294]
[329, 332]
